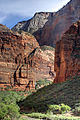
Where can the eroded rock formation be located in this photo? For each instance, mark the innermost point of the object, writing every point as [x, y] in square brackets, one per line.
[34, 24]
[22, 62]
[67, 56]
[48, 28]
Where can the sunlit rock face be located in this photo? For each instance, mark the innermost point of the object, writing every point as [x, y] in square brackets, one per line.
[67, 56]
[14, 51]
[34, 24]
[48, 28]
[22, 62]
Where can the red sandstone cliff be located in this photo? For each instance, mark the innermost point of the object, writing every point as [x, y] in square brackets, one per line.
[22, 62]
[67, 56]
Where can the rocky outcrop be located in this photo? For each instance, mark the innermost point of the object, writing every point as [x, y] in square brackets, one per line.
[48, 28]
[37, 22]
[22, 62]
[67, 56]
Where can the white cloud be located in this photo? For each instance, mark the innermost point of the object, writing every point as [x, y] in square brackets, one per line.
[29, 7]
[2, 19]
[60, 4]
[12, 11]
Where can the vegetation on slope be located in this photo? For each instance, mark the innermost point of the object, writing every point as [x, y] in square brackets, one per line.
[67, 93]
[47, 100]
[42, 116]
[42, 82]
[9, 110]
[45, 47]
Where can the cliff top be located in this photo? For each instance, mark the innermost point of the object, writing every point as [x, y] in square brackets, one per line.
[3, 28]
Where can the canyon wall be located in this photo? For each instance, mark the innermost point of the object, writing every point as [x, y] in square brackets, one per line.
[22, 62]
[67, 55]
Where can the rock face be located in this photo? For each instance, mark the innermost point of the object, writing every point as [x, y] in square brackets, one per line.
[42, 61]
[67, 56]
[34, 24]
[48, 28]
[21, 60]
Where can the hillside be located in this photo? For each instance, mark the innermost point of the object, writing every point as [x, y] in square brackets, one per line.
[67, 92]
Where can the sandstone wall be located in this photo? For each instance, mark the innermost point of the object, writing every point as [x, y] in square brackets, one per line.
[67, 56]
[22, 62]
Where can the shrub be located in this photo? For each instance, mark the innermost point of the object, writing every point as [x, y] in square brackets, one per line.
[58, 109]
[65, 108]
[43, 82]
[9, 97]
[54, 109]
[43, 48]
[3, 111]
[8, 87]
[76, 109]
[38, 115]
[26, 33]
[13, 111]
[9, 112]
[51, 117]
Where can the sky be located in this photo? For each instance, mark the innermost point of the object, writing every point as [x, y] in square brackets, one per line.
[14, 11]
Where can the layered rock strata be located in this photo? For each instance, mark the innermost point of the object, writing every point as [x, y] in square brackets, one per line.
[22, 61]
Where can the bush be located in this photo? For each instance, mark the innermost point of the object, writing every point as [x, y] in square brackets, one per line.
[43, 48]
[51, 117]
[65, 108]
[54, 109]
[3, 111]
[8, 97]
[58, 109]
[13, 111]
[9, 112]
[43, 82]
[76, 109]
[38, 115]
